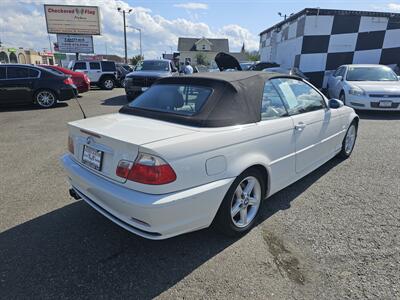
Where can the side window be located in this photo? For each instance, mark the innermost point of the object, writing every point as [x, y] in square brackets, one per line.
[298, 96]
[337, 72]
[94, 66]
[17, 72]
[2, 73]
[33, 73]
[272, 106]
[80, 66]
[108, 66]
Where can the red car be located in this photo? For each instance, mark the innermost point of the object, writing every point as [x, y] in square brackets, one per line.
[80, 80]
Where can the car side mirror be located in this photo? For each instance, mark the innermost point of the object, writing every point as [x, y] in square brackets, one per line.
[340, 78]
[335, 103]
[398, 77]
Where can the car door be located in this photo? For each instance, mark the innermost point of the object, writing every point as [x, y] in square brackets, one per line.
[312, 122]
[278, 142]
[335, 82]
[3, 91]
[94, 72]
[19, 84]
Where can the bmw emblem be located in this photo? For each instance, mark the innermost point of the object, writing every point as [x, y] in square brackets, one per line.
[89, 140]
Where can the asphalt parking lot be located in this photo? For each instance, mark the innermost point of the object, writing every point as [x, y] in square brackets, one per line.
[335, 234]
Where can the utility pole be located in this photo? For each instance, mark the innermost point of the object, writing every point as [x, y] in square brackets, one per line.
[123, 15]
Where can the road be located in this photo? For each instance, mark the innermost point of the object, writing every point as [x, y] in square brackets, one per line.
[333, 235]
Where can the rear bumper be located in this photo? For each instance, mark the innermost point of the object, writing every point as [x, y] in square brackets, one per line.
[67, 93]
[150, 216]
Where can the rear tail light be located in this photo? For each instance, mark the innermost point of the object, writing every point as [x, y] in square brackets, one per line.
[71, 145]
[86, 78]
[68, 81]
[147, 169]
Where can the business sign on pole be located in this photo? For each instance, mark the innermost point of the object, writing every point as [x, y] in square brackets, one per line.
[75, 43]
[71, 19]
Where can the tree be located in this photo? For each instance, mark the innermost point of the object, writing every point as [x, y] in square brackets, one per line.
[201, 59]
[136, 59]
[252, 56]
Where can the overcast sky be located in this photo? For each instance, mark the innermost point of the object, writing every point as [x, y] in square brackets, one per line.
[22, 22]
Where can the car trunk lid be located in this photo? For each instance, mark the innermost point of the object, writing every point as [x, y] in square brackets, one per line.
[101, 142]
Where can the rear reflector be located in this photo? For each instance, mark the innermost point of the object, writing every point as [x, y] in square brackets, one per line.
[147, 169]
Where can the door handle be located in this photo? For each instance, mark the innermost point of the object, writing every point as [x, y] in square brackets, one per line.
[98, 71]
[300, 126]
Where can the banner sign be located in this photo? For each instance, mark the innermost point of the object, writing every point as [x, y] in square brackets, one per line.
[75, 43]
[70, 19]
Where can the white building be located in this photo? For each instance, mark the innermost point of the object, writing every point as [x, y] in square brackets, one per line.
[318, 41]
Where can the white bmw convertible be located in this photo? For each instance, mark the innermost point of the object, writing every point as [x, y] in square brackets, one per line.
[203, 149]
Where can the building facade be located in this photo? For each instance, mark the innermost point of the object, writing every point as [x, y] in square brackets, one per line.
[191, 49]
[23, 56]
[318, 41]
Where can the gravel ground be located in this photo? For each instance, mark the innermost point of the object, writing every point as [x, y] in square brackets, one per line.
[333, 235]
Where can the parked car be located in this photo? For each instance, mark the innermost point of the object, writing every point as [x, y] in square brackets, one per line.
[245, 65]
[145, 74]
[227, 62]
[288, 71]
[122, 71]
[366, 87]
[205, 148]
[27, 84]
[101, 73]
[80, 80]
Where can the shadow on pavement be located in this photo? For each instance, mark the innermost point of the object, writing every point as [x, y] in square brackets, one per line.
[379, 115]
[26, 107]
[75, 252]
[115, 101]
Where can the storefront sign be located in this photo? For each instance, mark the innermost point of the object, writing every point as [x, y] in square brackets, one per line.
[75, 43]
[70, 19]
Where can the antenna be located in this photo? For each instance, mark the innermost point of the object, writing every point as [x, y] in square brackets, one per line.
[80, 107]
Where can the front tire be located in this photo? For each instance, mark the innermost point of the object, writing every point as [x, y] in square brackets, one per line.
[45, 98]
[349, 141]
[241, 205]
[107, 83]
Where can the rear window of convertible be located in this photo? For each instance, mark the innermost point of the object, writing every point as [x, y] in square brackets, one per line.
[173, 98]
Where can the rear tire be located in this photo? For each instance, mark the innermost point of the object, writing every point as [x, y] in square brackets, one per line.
[107, 83]
[45, 98]
[241, 205]
[349, 141]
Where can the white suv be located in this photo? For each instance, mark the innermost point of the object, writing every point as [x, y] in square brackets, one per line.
[100, 73]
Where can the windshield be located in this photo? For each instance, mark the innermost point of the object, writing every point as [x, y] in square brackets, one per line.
[370, 74]
[173, 98]
[152, 65]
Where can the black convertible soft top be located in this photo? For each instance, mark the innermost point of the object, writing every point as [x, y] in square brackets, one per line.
[235, 99]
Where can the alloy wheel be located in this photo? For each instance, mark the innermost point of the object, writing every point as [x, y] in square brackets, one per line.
[350, 139]
[109, 84]
[45, 98]
[246, 202]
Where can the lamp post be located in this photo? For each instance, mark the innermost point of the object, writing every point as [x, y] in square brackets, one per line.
[123, 14]
[140, 39]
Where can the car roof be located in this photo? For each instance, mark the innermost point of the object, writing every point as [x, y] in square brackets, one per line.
[235, 79]
[235, 98]
[364, 65]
